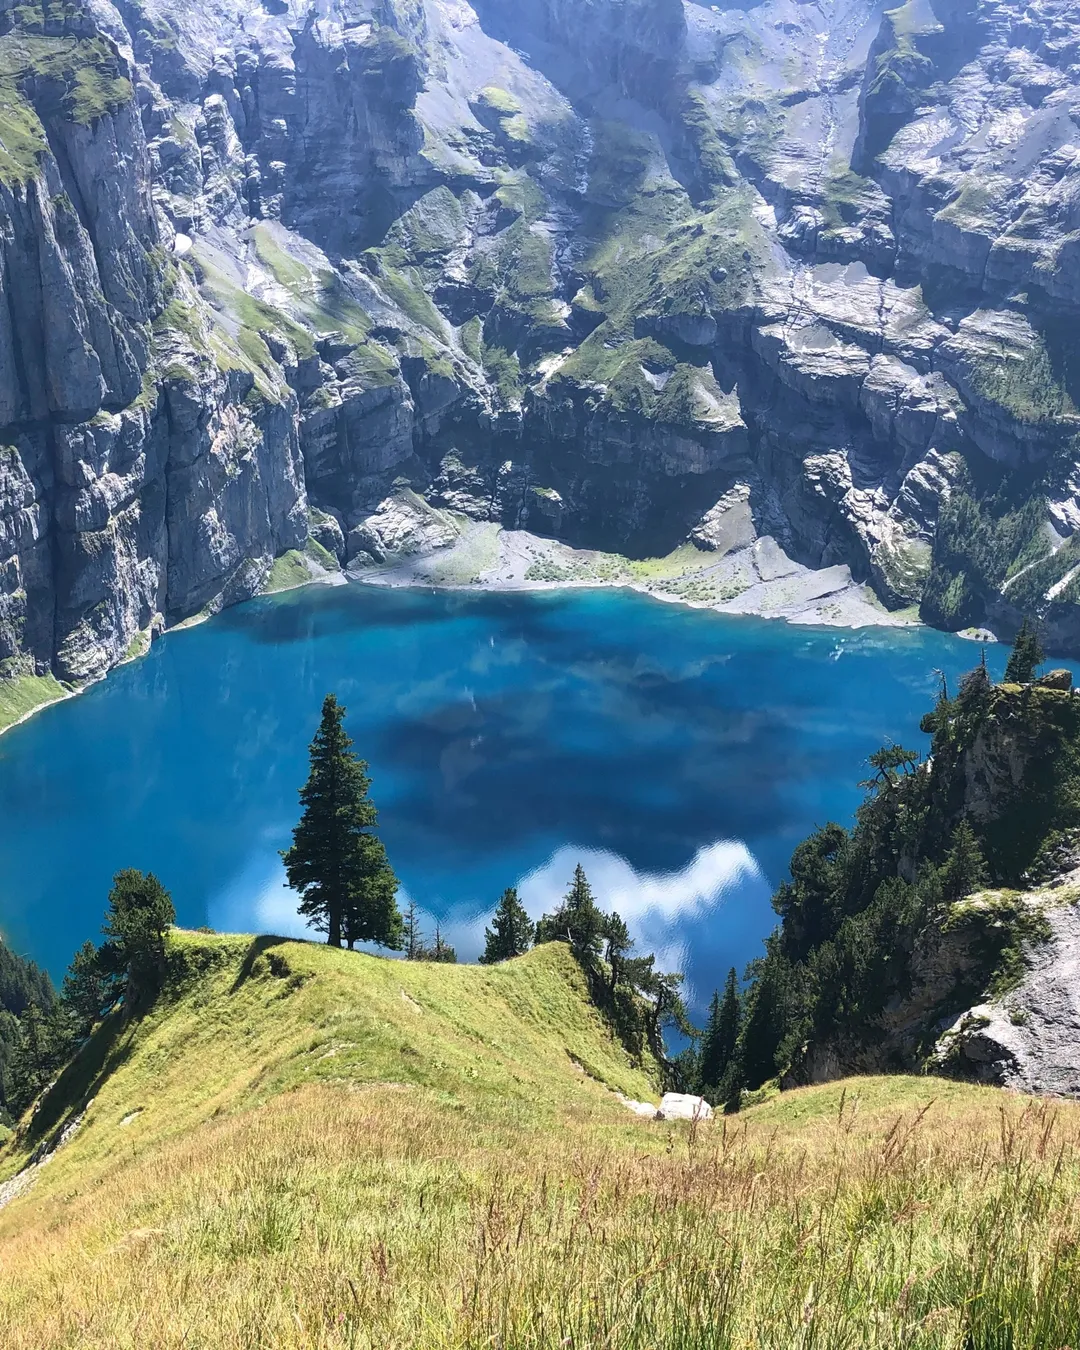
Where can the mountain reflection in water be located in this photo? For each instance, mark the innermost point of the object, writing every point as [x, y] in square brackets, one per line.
[678, 754]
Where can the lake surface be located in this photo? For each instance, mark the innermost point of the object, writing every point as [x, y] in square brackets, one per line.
[679, 754]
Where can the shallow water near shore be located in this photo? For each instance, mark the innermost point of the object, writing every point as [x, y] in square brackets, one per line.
[679, 754]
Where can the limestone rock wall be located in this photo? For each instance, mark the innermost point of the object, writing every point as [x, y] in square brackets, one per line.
[595, 270]
[134, 489]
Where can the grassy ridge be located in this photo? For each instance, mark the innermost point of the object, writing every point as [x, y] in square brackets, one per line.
[246, 1019]
[310, 1148]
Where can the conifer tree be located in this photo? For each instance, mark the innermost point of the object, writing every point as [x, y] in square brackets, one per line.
[442, 951]
[618, 948]
[22, 983]
[336, 863]
[975, 685]
[89, 988]
[43, 1045]
[511, 932]
[1026, 656]
[769, 1011]
[140, 910]
[578, 921]
[964, 869]
[411, 935]
[721, 1037]
[9, 1039]
[667, 1009]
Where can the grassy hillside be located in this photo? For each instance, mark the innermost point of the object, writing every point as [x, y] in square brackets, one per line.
[304, 1147]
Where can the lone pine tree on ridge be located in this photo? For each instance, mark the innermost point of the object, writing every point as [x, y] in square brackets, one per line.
[337, 863]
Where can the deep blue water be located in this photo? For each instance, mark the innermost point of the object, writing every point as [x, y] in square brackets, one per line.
[679, 754]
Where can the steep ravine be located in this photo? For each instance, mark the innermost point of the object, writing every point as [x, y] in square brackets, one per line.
[621, 273]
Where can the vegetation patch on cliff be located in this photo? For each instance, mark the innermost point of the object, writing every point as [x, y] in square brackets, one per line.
[985, 536]
[77, 79]
[891, 926]
[20, 695]
[1023, 382]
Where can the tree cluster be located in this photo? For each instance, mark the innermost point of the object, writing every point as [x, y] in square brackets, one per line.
[40, 1030]
[1026, 656]
[641, 1002]
[858, 900]
[980, 536]
[416, 945]
[511, 933]
[718, 1076]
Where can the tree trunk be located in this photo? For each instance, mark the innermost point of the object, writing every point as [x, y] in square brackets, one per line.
[333, 937]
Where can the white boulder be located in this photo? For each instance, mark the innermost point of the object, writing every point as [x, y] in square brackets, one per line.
[683, 1106]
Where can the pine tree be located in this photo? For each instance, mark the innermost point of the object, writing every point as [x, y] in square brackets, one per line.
[618, 948]
[578, 921]
[772, 1010]
[668, 1009]
[339, 867]
[89, 988]
[9, 1039]
[710, 1063]
[22, 983]
[43, 1046]
[373, 915]
[411, 935]
[1026, 656]
[721, 1037]
[442, 951]
[511, 932]
[964, 869]
[975, 685]
[887, 763]
[140, 910]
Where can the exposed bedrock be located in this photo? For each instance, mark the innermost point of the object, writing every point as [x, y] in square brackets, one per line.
[593, 270]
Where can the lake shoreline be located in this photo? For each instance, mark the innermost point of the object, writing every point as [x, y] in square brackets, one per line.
[486, 559]
[318, 577]
[756, 580]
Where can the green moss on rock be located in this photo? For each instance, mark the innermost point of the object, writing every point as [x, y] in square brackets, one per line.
[72, 79]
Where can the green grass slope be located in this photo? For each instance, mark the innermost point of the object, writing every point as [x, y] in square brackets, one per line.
[301, 1147]
[21, 695]
[245, 1019]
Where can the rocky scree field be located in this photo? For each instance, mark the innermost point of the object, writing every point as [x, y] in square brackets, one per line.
[292, 287]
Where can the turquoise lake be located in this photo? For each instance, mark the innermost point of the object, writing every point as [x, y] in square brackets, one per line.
[679, 754]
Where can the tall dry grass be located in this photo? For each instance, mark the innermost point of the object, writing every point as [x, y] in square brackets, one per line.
[333, 1217]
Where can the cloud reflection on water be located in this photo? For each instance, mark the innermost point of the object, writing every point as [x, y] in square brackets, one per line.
[670, 913]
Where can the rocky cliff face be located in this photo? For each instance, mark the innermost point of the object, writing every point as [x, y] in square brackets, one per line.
[973, 979]
[603, 270]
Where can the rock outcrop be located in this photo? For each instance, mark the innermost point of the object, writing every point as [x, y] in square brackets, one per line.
[591, 270]
[1029, 1038]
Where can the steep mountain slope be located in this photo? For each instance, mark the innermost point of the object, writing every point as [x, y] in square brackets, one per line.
[626, 273]
[304, 1147]
[940, 932]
